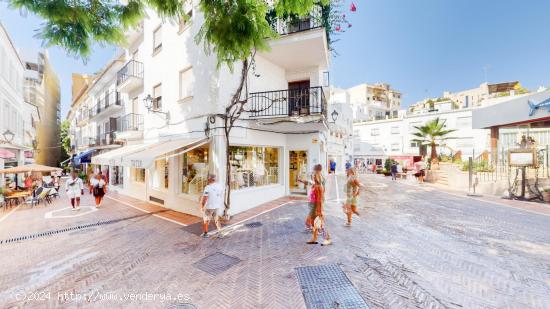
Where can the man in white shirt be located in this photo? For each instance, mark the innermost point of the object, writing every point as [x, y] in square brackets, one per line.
[212, 204]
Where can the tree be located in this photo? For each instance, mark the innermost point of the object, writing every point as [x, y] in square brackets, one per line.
[65, 139]
[233, 30]
[432, 133]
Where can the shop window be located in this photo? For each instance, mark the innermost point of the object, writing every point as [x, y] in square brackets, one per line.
[138, 175]
[253, 166]
[194, 170]
[118, 176]
[160, 174]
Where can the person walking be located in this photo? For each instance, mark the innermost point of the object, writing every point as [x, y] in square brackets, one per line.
[212, 205]
[317, 171]
[317, 199]
[348, 165]
[393, 170]
[74, 189]
[351, 188]
[332, 166]
[99, 188]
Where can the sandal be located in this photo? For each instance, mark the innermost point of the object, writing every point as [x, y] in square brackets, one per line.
[312, 242]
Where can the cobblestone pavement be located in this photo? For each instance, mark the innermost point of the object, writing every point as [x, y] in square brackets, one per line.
[413, 247]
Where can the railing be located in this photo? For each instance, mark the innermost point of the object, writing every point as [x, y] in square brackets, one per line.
[130, 122]
[91, 141]
[295, 24]
[111, 99]
[105, 139]
[290, 102]
[131, 69]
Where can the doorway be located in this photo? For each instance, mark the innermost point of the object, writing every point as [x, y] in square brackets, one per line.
[298, 98]
[297, 166]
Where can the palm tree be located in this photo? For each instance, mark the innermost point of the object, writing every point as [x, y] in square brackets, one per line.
[431, 133]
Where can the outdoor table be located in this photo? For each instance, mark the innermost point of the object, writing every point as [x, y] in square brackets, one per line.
[16, 197]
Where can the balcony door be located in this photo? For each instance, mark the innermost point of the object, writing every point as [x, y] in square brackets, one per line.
[298, 98]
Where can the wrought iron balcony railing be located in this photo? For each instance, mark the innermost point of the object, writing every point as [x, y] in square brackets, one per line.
[293, 24]
[130, 122]
[289, 102]
[131, 69]
[111, 99]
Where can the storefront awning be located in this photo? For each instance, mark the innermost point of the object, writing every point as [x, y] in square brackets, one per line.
[84, 157]
[116, 156]
[146, 157]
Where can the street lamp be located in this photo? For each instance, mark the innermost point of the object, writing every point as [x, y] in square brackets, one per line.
[150, 106]
[334, 115]
[8, 137]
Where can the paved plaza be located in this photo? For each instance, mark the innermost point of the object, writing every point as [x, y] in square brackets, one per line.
[413, 247]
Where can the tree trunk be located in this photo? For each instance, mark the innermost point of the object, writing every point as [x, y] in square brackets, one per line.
[227, 201]
[434, 151]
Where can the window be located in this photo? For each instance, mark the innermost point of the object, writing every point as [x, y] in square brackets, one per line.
[137, 175]
[194, 170]
[184, 23]
[414, 144]
[157, 96]
[160, 174]
[253, 166]
[187, 81]
[375, 132]
[157, 40]
[395, 147]
[394, 130]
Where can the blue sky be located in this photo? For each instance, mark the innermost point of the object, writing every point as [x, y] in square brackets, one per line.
[421, 47]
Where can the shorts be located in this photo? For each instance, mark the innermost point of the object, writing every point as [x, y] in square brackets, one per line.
[210, 214]
[351, 200]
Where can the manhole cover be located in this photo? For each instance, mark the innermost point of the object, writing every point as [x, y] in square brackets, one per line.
[253, 224]
[216, 263]
[328, 287]
[181, 306]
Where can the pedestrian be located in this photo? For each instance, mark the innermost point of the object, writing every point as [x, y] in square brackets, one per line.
[420, 171]
[212, 205]
[393, 170]
[317, 198]
[99, 188]
[332, 166]
[373, 168]
[317, 171]
[74, 189]
[351, 189]
[348, 165]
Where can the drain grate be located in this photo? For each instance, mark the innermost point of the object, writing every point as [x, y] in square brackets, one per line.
[216, 263]
[71, 229]
[253, 224]
[328, 287]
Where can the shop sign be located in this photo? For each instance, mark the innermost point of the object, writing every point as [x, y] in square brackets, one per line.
[522, 157]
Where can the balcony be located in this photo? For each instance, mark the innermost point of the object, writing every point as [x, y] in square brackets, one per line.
[130, 77]
[105, 139]
[106, 106]
[130, 127]
[295, 103]
[302, 41]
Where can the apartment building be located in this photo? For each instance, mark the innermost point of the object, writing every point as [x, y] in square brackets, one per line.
[42, 90]
[155, 113]
[483, 95]
[371, 101]
[18, 119]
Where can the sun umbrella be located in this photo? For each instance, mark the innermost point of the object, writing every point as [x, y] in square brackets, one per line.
[29, 168]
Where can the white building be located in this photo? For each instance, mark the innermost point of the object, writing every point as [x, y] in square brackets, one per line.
[165, 151]
[17, 118]
[373, 101]
[340, 147]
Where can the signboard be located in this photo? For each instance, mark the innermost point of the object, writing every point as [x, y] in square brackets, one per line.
[522, 157]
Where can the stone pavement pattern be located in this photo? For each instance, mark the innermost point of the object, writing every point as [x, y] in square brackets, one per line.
[413, 247]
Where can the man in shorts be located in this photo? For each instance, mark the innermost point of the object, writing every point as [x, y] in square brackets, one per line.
[212, 204]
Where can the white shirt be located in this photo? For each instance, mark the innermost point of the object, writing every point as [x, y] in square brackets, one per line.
[96, 182]
[74, 187]
[215, 194]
